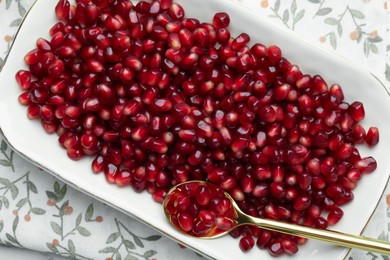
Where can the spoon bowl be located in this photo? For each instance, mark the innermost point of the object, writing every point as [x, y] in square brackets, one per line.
[203, 210]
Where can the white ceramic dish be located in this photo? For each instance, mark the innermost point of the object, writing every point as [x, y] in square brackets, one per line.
[29, 139]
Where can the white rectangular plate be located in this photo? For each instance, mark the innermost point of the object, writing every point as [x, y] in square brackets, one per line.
[29, 139]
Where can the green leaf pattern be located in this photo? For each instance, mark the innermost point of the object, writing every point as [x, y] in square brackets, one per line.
[336, 24]
[125, 238]
[69, 224]
[290, 17]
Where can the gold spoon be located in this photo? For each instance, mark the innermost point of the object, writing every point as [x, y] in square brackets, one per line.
[240, 218]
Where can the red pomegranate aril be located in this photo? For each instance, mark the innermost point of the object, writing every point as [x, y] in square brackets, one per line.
[23, 78]
[355, 155]
[347, 198]
[304, 181]
[91, 14]
[43, 45]
[191, 23]
[264, 238]
[319, 85]
[154, 8]
[75, 153]
[165, 4]
[302, 202]
[174, 41]
[203, 195]
[65, 52]
[24, 99]
[372, 137]
[185, 221]
[321, 223]
[274, 54]
[207, 218]
[123, 178]
[163, 19]
[346, 123]
[49, 127]
[336, 90]
[32, 57]
[186, 38]
[335, 191]
[110, 172]
[62, 9]
[221, 20]
[133, 63]
[289, 246]
[174, 26]
[176, 11]
[277, 190]
[47, 113]
[240, 41]
[357, 111]
[33, 111]
[58, 27]
[366, 165]
[72, 41]
[275, 247]
[247, 243]
[224, 223]
[57, 39]
[334, 216]
[359, 134]
[199, 228]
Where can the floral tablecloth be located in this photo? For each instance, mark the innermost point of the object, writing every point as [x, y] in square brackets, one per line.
[41, 213]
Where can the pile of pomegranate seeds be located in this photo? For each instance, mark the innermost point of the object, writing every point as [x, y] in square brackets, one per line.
[200, 209]
[160, 99]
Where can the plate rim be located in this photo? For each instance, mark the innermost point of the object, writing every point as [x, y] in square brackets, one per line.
[128, 213]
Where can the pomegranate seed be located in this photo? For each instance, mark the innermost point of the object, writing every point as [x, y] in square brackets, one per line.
[336, 90]
[359, 134]
[185, 221]
[247, 243]
[24, 99]
[372, 137]
[43, 45]
[206, 217]
[289, 247]
[203, 195]
[357, 111]
[319, 85]
[165, 4]
[275, 247]
[62, 9]
[334, 216]
[23, 78]
[335, 191]
[123, 178]
[33, 57]
[224, 223]
[366, 165]
[221, 20]
[240, 41]
[176, 11]
[274, 53]
[302, 202]
[264, 238]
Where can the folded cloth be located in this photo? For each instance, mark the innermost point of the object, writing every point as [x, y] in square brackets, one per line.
[41, 213]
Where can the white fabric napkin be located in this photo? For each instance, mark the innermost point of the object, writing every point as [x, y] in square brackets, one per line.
[41, 213]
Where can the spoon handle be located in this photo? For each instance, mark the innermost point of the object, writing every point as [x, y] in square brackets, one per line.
[334, 237]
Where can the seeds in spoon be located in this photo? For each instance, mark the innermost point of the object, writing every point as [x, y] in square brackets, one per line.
[201, 216]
